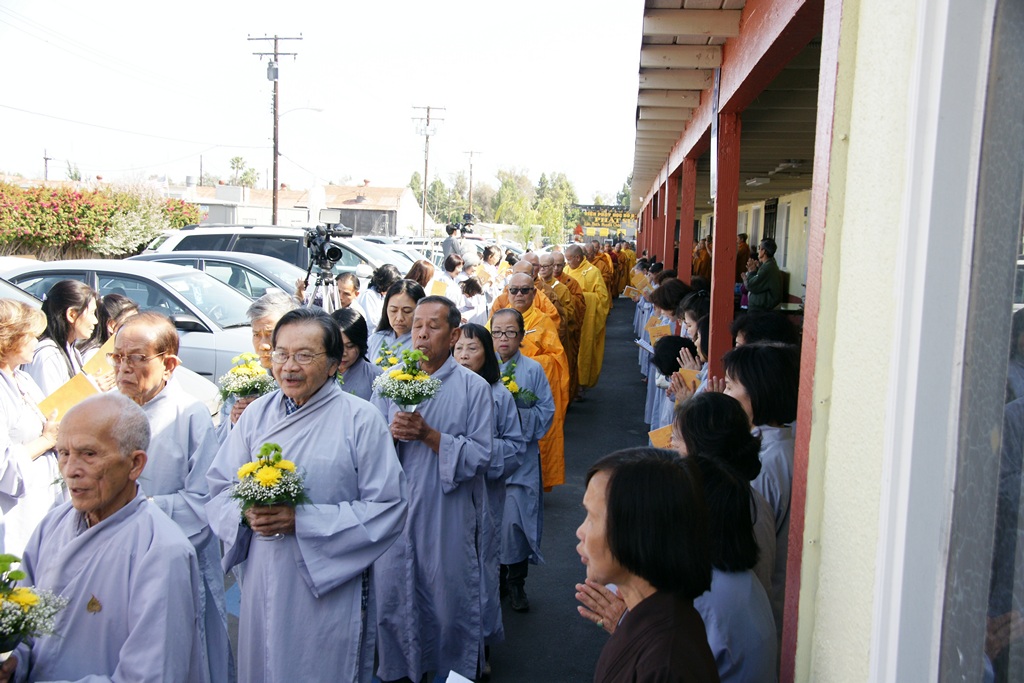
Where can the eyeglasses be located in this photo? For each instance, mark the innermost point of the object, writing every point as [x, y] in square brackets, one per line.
[301, 357]
[514, 291]
[504, 334]
[131, 360]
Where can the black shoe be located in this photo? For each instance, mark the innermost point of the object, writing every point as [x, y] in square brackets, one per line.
[517, 599]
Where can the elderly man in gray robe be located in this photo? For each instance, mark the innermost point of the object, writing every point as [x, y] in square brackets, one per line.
[128, 571]
[429, 581]
[181, 450]
[308, 609]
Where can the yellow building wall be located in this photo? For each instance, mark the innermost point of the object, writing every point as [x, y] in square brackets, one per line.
[855, 342]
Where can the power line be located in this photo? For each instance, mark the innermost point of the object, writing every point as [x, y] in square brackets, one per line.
[128, 132]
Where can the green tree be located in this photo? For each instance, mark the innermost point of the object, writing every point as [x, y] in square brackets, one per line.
[542, 188]
[416, 185]
[249, 178]
[237, 169]
[599, 199]
[624, 196]
[483, 202]
[73, 172]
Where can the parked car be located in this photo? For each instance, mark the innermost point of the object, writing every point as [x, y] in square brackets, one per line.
[12, 291]
[209, 315]
[357, 255]
[250, 274]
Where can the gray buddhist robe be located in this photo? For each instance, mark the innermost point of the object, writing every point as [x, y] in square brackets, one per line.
[181, 450]
[395, 343]
[308, 612]
[358, 379]
[428, 583]
[133, 586]
[523, 521]
[506, 457]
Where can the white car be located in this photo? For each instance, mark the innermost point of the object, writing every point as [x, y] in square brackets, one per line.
[209, 315]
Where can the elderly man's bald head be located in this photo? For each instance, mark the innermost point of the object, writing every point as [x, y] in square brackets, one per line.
[546, 260]
[521, 291]
[524, 266]
[573, 250]
[532, 258]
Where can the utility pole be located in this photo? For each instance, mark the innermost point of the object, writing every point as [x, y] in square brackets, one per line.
[471, 153]
[46, 165]
[426, 131]
[272, 76]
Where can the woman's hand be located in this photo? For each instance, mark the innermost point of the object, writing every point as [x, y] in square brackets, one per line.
[7, 669]
[716, 384]
[106, 381]
[268, 520]
[688, 361]
[600, 605]
[680, 389]
[752, 265]
[50, 428]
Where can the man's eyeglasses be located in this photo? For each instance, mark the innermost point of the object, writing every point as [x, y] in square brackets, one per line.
[301, 357]
[505, 334]
[514, 291]
[131, 360]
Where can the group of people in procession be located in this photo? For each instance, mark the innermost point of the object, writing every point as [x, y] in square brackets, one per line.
[421, 523]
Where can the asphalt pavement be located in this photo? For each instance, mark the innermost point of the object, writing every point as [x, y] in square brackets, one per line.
[551, 642]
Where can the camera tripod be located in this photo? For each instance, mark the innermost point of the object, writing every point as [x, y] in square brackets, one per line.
[324, 293]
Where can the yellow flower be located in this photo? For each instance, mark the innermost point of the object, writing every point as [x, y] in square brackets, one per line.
[268, 476]
[23, 597]
[393, 360]
[378, 360]
[395, 373]
[285, 465]
[505, 380]
[235, 359]
[422, 377]
[513, 387]
[405, 377]
[247, 469]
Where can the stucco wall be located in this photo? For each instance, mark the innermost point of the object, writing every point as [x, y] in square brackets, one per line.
[866, 184]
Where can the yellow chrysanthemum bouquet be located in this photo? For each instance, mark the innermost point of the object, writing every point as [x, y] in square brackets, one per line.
[386, 358]
[24, 612]
[406, 385]
[524, 397]
[269, 480]
[246, 378]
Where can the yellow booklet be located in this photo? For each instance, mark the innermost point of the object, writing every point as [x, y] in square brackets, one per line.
[656, 332]
[70, 394]
[661, 438]
[98, 364]
[438, 288]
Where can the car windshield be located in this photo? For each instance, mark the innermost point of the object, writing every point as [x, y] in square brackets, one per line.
[282, 270]
[224, 305]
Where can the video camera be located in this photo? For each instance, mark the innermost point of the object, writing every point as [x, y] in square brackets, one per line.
[321, 251]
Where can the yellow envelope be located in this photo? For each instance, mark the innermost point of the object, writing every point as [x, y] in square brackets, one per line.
[658, 331]
[661, 438]
[689, 376]
[438, 288]
[98, 364]
[70, 394]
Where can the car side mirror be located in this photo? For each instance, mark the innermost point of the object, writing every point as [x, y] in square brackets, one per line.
[364, 272]
[186, 322]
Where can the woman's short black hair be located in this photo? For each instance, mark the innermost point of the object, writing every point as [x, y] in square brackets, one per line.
[669, 293]
[471, 287]
[657, 519]
[315, 316]
[770, 373]
[768, 326]
[666, 353]
[696, 303]
[730, 525]
[491, 371]
[385, 276]
[520, 322]
[353, 326]
[715, 425]
[410, 287]
[453, 261]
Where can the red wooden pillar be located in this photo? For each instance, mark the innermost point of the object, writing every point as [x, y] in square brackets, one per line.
[668, 213]
[723, 258]
[687, 207]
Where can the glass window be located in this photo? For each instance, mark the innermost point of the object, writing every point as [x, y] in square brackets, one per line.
[284, 248]
[245, 280]
[200, 242]
[148, 295]
[216, 300]
[39, 285]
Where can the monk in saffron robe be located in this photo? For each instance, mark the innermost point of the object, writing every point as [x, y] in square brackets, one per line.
[543, 303]
[596, 295]
[603, 263]
[541, 343]
[573, 318]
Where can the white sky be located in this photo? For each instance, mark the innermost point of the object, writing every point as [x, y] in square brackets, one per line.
[538, 85]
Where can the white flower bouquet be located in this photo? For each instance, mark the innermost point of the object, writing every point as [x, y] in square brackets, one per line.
[406, 385]
[246, 378]
[24, 612]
